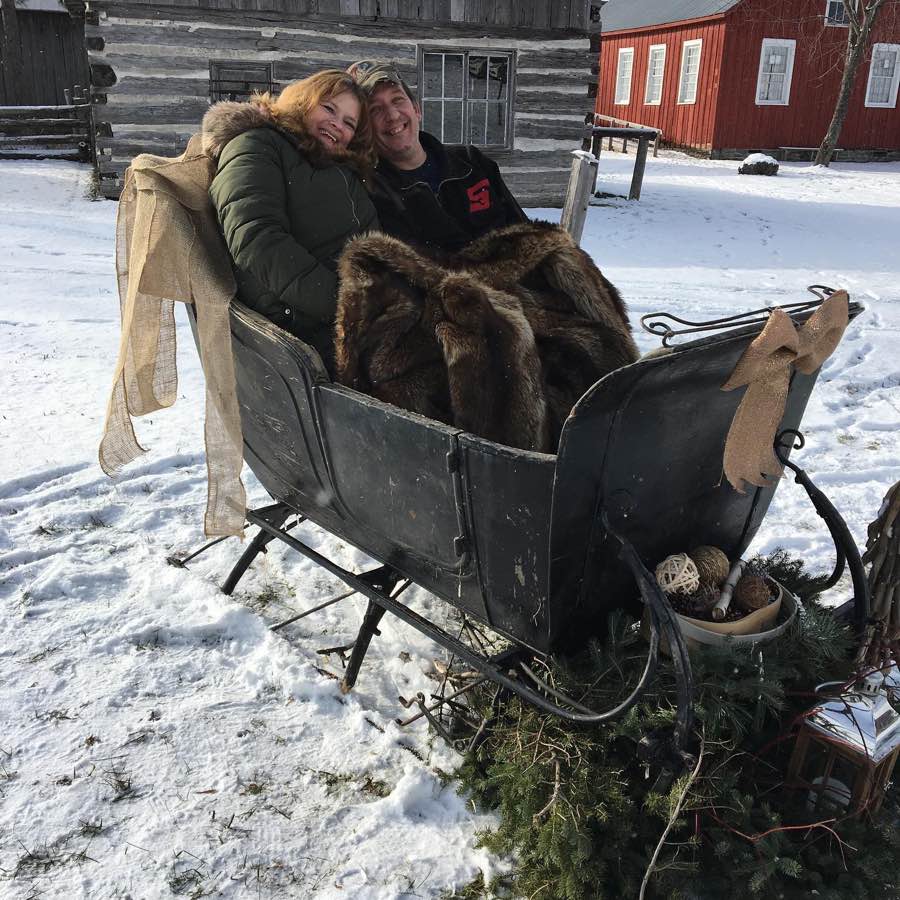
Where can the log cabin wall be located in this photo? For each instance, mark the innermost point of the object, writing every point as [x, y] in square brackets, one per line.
[151, 66]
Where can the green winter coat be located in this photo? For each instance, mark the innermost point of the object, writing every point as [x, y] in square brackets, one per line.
[286, 214]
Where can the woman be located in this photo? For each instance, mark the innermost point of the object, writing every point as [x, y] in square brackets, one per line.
[289, 193]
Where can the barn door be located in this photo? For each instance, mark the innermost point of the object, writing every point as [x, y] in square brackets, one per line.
[43, 53]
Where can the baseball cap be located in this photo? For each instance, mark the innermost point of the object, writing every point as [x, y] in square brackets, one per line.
[369, 73]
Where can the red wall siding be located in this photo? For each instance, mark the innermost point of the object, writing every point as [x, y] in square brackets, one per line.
[816, 78]
[725, 116]
[688, 124]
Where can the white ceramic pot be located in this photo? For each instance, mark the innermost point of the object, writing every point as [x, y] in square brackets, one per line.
[757, 628]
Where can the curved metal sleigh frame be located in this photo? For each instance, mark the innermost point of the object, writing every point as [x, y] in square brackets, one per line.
[540, 548]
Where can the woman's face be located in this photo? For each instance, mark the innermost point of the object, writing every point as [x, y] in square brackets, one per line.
[332, 122]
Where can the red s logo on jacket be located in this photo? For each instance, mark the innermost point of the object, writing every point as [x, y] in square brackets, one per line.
[479, 196]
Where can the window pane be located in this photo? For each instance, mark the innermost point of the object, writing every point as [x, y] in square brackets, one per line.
[775, 65]
[776, 60]
[478, 69]
[453, 75]
[880, 90]
[453, 122]
[655, 67]
[432, 85]
[431, 118]
[237, 81]
[623, 77]
[690, 66]
[498, 77]
[881, 80]
[496, 124]
[836, 14]
[478, 122]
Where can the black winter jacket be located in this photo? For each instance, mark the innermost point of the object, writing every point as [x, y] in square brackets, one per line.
[471, 201]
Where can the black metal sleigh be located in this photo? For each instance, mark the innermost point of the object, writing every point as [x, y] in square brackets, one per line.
[540, 548]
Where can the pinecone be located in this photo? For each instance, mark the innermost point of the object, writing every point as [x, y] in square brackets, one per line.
[752, 593]
[698, 604]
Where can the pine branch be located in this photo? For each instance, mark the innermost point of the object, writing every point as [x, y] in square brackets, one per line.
[673, 818]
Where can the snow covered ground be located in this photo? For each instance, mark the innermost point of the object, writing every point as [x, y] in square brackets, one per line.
[155, 737]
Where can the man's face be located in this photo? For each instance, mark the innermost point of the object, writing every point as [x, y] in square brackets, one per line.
[395, 123]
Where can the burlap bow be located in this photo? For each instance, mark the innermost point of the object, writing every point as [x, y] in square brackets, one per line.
[765, 368]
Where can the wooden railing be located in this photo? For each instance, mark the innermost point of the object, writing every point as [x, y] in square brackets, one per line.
[597, 119]
[57, 132]
[583, 177]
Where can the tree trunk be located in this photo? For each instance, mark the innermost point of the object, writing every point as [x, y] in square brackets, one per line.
[856, 47]
[862, 15]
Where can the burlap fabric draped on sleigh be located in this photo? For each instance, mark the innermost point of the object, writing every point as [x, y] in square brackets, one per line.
[168, 250]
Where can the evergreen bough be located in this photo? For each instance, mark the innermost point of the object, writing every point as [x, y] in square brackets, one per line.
[582, 814]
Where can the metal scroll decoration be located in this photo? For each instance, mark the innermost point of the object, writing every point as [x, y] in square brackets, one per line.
[764, 370]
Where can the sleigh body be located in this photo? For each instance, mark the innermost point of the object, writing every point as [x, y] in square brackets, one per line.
[539, 547]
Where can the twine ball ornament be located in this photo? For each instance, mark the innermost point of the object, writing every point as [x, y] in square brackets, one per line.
[712, 565]
[677, 574]
[752, 593]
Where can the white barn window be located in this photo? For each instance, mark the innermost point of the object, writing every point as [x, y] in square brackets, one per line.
[836, 13]
[884, 75]
[690, 71]
[623, 76]
[776, 67]
[656, 67]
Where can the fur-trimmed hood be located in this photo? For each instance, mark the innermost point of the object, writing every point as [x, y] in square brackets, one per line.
[224, 121]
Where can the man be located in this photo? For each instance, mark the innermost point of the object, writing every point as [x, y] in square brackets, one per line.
[426, 192]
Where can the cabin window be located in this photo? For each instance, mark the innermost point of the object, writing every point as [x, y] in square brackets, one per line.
[884, 75]
[623, 76]
[776, 66]
[466, 96]
[690, 71]
[232, 80]
[836, 13]
[656, 67]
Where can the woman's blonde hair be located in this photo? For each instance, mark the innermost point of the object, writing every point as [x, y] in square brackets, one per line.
[291, 107]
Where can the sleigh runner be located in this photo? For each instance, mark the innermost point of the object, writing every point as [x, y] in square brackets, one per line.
[539, 548]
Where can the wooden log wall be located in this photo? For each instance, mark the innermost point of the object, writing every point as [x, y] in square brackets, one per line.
[150, 71]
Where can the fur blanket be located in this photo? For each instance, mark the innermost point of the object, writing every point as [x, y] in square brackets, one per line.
[499, 340]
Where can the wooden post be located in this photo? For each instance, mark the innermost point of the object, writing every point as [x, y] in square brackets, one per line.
[640, 164]
[587, 137]
[578, 195]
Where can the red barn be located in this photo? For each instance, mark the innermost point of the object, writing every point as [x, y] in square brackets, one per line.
[727, 77]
